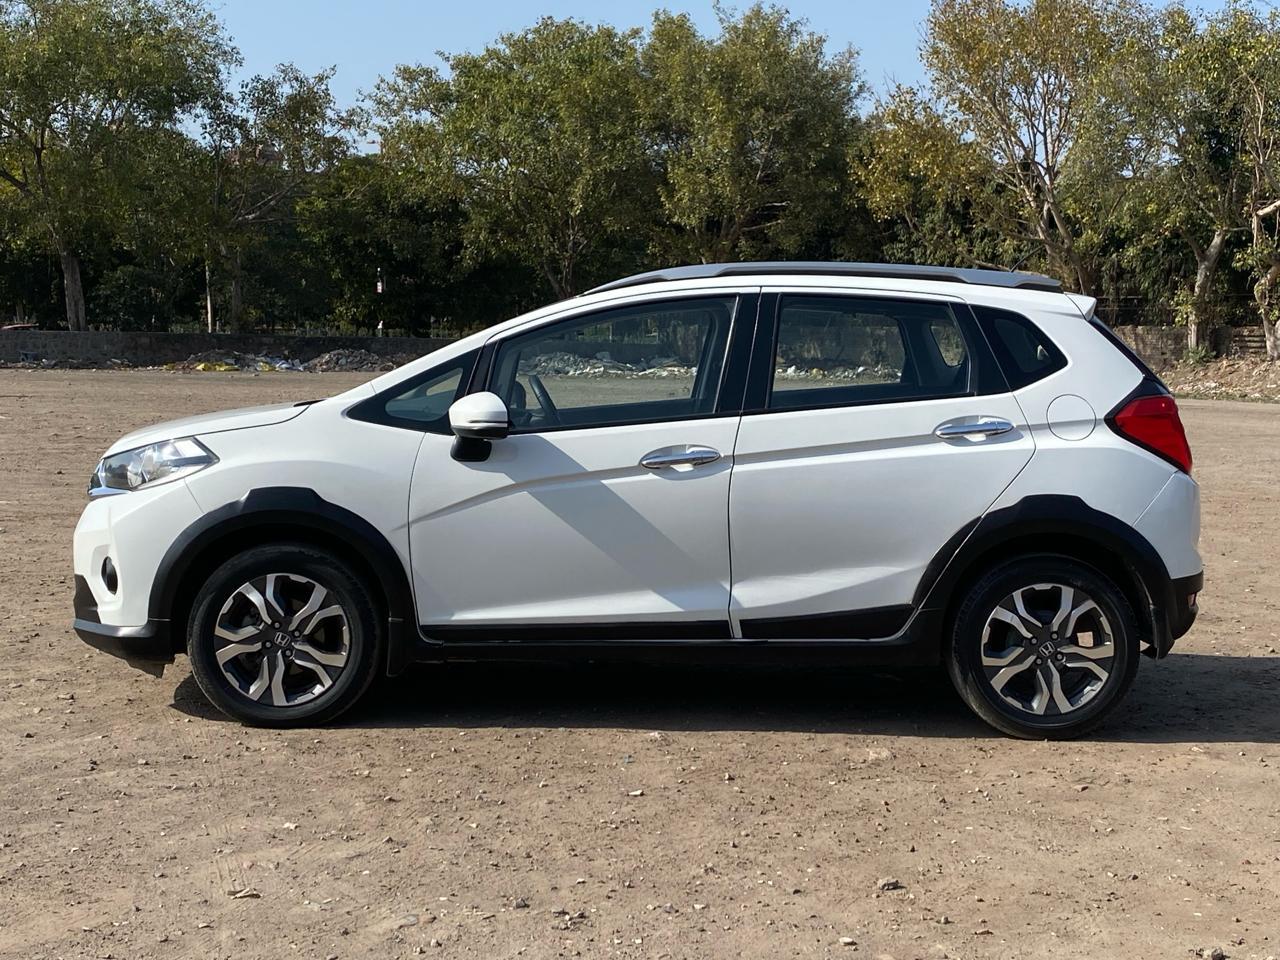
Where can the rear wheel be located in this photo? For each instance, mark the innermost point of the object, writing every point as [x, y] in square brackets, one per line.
[1044, 647]
[283, 635]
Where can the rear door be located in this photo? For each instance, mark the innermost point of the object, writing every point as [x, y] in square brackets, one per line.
[876, 428]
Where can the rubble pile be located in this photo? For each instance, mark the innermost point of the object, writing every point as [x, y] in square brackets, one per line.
[868, 374]
[44, 363]
[1241, 378]
[352, 360]
[228, 361]
[603, 365]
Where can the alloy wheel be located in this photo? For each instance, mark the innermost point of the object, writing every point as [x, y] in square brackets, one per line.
[1047, 649]
[281, 639]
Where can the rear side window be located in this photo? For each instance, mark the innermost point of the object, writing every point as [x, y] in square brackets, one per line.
[1021, 348]
[834, 351]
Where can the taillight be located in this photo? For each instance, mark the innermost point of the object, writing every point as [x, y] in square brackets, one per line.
[1152, 422]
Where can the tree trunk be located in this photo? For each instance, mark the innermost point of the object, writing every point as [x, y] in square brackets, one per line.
[74, 289]
[1200, 328]
[1197, 332]
[208, 296]
[237, 294]
[1272, 337]
[1085, 277]
[1263, 292]
[19, 313]
[555, 277]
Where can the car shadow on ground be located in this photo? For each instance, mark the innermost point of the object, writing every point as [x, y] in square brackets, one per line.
[1187, 698]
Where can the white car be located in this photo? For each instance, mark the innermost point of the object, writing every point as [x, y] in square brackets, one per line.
[874, 463]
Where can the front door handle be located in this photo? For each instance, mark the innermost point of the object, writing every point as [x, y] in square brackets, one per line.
[683, 456]
[976, 429]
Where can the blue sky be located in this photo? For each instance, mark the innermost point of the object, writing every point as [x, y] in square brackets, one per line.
[364, 39]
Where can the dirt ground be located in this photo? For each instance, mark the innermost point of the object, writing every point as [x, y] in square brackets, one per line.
[1232, 379]
[490, 812]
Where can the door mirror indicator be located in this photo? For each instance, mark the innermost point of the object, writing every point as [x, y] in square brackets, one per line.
[480, 416]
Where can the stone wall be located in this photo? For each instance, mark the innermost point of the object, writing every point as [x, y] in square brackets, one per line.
[1163, 346]
[1158, 346]
[153, 349]
[1241, 342]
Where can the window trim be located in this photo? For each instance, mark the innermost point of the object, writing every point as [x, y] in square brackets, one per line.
[764, 354]
[745, 304]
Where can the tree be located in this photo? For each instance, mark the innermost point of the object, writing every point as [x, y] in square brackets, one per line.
[28, 282]
[1181, 84]
[86, 82]
[394, 257]
[1254, 44]
[537, 138]
[752, 130]
[1025, 83]
[937, 189]
[266, 146]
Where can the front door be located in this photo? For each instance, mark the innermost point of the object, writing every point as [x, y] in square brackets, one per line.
[604, 515]
[881, 429]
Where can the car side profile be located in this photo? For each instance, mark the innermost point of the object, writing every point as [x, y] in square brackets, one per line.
[879, 464]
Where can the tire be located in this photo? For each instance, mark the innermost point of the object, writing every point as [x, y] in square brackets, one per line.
[284, 635]
[1005, 670]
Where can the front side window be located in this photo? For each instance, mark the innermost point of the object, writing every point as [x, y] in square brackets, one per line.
[833, 351]
[423, 402]
[637, 364]
[427, 401]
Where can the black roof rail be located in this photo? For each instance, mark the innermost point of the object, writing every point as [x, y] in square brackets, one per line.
[897, 271]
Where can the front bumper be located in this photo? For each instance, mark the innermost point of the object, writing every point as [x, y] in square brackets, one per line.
[146, 647]
[132, 531]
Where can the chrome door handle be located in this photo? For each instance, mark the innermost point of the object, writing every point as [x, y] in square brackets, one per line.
[976, 429]
[691, 456]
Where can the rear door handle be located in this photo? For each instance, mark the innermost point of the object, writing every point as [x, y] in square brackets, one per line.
[976, 429]
[683, 456]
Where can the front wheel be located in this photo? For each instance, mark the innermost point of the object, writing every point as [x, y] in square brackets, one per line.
[283, 635]
[1044, 648]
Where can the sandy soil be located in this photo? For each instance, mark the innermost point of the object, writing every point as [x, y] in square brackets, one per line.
[491, 812]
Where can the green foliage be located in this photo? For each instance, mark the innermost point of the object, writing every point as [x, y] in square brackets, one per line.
[87, 86]
[535, 137]
[751, 132]
[266, 147]
[931, 186]
[1132, 150]
[1027, 85]
[394, 257]
[1197, 355]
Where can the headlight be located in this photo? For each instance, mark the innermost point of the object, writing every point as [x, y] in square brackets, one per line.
[150, 465]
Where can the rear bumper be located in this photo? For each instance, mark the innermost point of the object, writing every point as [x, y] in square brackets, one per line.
[1180, 610]
[1173, 610]
[146, 647]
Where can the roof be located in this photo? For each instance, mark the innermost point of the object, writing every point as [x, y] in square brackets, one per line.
[904, 271]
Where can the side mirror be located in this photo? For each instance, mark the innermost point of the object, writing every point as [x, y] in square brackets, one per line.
[480, 416]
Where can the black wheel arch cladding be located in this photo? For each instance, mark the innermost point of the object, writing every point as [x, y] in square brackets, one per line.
[1044, 523]
[297, 513]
